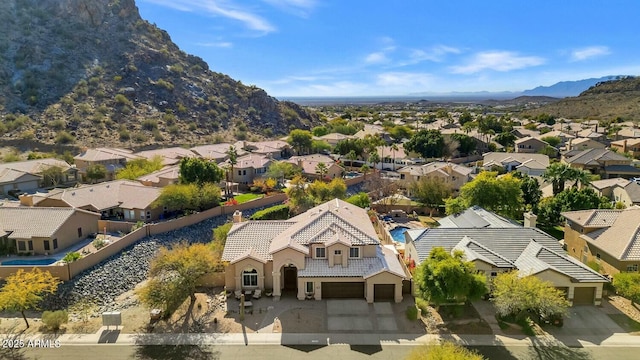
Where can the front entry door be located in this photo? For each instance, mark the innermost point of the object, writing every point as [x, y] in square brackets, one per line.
[290, 278]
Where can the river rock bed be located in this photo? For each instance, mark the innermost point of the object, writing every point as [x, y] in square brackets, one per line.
[101, 284]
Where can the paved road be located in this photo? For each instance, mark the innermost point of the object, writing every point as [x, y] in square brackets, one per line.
[342, 352]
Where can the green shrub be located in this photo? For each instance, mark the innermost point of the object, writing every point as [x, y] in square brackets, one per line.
[412, 313]
[54, 319]
[278, 212]
[423, 305]
[149, 124]
[71, 257]
[64, 138]
[99, 243]
[165, 84]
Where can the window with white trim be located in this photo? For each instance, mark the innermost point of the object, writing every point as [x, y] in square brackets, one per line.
[632, 268]
[309, 287]
[320, 253]
[354, 252]
[250, 278]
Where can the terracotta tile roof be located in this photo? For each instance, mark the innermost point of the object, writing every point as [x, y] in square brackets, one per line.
[104, 154]
[254, 161]
[621, 239]
[593, 218]
[170, 156]
[28, 222]
[504, 158]
[476, 217]
[107, 195]
[594, 156]
[256, 235]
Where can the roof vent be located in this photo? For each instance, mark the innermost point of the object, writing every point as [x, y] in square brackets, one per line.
[73, 193]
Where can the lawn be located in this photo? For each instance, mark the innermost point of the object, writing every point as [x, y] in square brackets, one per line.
[243, 198]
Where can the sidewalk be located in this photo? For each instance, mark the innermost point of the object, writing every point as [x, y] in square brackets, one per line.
[114, 337]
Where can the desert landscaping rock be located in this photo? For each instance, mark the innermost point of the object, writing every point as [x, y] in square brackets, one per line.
[103, 283]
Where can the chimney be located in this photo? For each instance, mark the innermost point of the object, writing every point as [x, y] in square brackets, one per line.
[26, 200]
[624, 145]
[237, 216]
[530, 220]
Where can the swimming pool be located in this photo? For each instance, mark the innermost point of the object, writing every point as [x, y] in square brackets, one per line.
[398, 233]
[29, 262]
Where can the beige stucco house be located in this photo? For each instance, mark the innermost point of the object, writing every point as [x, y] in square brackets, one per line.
[529, 145]
[120, 199]
[631, 146]
[113, 159]
[309, 166]
[603, 162]
[452, 174]
[31, 174]
[42, 231]
[330, 251]
[527, 250]
[609, 238]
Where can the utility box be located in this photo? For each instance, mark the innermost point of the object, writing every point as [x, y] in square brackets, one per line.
[111, 318]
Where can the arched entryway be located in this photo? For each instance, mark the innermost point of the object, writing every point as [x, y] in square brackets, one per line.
[290, 278]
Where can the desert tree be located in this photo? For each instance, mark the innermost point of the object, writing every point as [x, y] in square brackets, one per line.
[25, 289]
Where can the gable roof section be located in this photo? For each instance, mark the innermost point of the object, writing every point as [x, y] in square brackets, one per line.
[529, 249]
[28, 222]
[594, 156]
[15, 176]
[607, 183]
[104, 154]
[504, 158]
[621, 239]
[120, 193]
[476, 217]
[595, 218]
[250, 253]
[366, 267]
[255, 235]
[36, 166]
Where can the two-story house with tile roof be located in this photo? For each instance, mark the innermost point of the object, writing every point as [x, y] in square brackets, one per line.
[330, 251]
[603, 162]
[527, 250]
[452, 174]
[610, 238]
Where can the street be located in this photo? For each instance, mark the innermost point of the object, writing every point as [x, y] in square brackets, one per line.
[342, 352]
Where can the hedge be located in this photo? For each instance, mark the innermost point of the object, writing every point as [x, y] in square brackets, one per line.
[278, 212]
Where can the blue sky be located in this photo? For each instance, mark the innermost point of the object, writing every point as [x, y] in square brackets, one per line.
[375, 47]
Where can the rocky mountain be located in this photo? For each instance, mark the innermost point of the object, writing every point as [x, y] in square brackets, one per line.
[569, 88]
[604, 101]
[92, 72]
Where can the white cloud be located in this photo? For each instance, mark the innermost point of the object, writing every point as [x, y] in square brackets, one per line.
[405, 80]
[498, 61]
[376, 58]
[435, 54]
[300, 8]
[589, 52]
[219, 44]
[220, 8]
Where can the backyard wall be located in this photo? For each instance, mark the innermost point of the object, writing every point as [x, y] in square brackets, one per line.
[68, 271]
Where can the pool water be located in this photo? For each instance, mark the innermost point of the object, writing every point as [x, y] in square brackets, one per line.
[29, 262]
[398, 233]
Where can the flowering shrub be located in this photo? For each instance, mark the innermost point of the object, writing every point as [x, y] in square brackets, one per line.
[231, 202]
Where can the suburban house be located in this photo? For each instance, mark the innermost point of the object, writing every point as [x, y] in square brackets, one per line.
[113, 159]
[563, 136]
[605, 187]
[527, 250]
[161, 178]
[373, 130]
[585, 143]
[330, 251]
[453, 174]
[530, 164]
[529, 145]
[477, 217]
[43, 231]
[603, 162]
[249, 167]
[609, 239]
[170, 156]
[120, 199]
[334, 138]
[521, 132]
[274, 149]
[393, 157]
[628, 132]
[215, 152]
[309, 166]
[30, 175]
[593, 134]
[631, 146]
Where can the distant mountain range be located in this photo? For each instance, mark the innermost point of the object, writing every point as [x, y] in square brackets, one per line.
[558, 90]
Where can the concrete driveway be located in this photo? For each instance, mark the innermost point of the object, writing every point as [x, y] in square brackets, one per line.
[353, 315]
[587, 323]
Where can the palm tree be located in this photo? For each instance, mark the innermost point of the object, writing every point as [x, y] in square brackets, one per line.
[322, 170]
[374, 158]
[581, 177]
[365, 170]
[394, 148]
[233, 159]
[558, 174]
